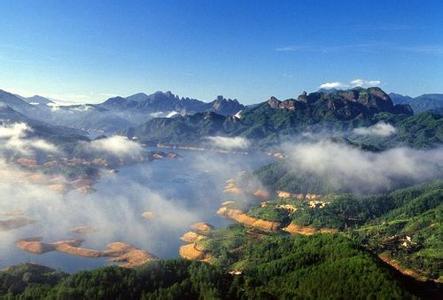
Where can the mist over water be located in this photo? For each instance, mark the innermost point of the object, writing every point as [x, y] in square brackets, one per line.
[178, 192]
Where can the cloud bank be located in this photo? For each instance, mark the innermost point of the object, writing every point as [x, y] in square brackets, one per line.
[229, 143]
[352, 84]
[116, 145]
[381, 129]
[14, 137]
[349, 168]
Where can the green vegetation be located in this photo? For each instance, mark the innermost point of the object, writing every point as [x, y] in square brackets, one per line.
[278, 176]
[159, 280]
[422, 130]
[225, 243]
[275, 121]
[406, 223]
[276, 267]
[318, 267]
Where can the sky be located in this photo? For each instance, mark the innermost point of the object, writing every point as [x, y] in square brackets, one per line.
[87, 51]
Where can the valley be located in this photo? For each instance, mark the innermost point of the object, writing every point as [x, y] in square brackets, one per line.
[214, 192]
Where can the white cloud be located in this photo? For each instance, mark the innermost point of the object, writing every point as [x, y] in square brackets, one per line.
[161, 114]
[117, 145]
[292, 48]
[353, 83]
[229, 143]
[171, 114]
[43, 145]
[16, 130]
[345, 167]
[333, 85]
[116, 206]
[364, 83]
[114, 210]
[14, 138]
[380, 129]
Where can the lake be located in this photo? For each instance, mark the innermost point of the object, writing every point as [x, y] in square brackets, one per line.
[178, 193]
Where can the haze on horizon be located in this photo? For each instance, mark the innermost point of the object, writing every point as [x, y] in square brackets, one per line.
[87, 51]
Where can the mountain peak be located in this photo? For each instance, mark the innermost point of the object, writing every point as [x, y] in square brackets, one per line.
[137, 97]
[224, 106]
[38, 100]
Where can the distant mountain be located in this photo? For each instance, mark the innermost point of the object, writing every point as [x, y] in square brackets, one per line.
[421, 103]
[115, 114]
[223, 106]
[15, 102]
[8, 115]
[38, 100]
[271, 120]
[168, 102]
[57, 134]
[167, 118]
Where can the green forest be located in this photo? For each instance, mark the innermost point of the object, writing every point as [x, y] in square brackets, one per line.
[276, 267]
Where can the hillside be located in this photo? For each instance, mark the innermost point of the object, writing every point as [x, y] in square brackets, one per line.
[300, 267]
[426, 102]
[115, 114]
[404, 224]
[167, 102]
[53, 133]
[271, 121]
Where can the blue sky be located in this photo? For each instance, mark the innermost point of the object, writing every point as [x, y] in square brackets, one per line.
[87, 51]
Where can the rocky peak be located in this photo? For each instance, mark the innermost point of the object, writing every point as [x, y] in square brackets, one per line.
[114, 100]
[159, 95]
[348, 103]
[289, 104]
[303, 97]
[274, 102]
[137, 97]
[225, 106]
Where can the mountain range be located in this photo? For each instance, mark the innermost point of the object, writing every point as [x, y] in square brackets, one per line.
[274, 121]
[421, 103]
[115, 114]
[164, 117]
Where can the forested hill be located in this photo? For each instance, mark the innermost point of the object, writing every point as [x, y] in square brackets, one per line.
[277, 267]
[270, 121]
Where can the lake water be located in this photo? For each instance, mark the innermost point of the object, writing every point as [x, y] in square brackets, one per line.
[178, 192]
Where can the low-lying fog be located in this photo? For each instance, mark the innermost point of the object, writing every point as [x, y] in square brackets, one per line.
[178, 192]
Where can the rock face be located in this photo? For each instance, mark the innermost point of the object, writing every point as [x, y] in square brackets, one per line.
[226, 107]
[385, 257]
[191, 237]
[126, 255]
[242, 218]
[347, 103]
[72, 248]
[194, 250]
[190, 252]
[36, 246]
[202, 228]
[289, 104]
[167, 101]
[307, 230]
[272, 118]
[232, 188]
